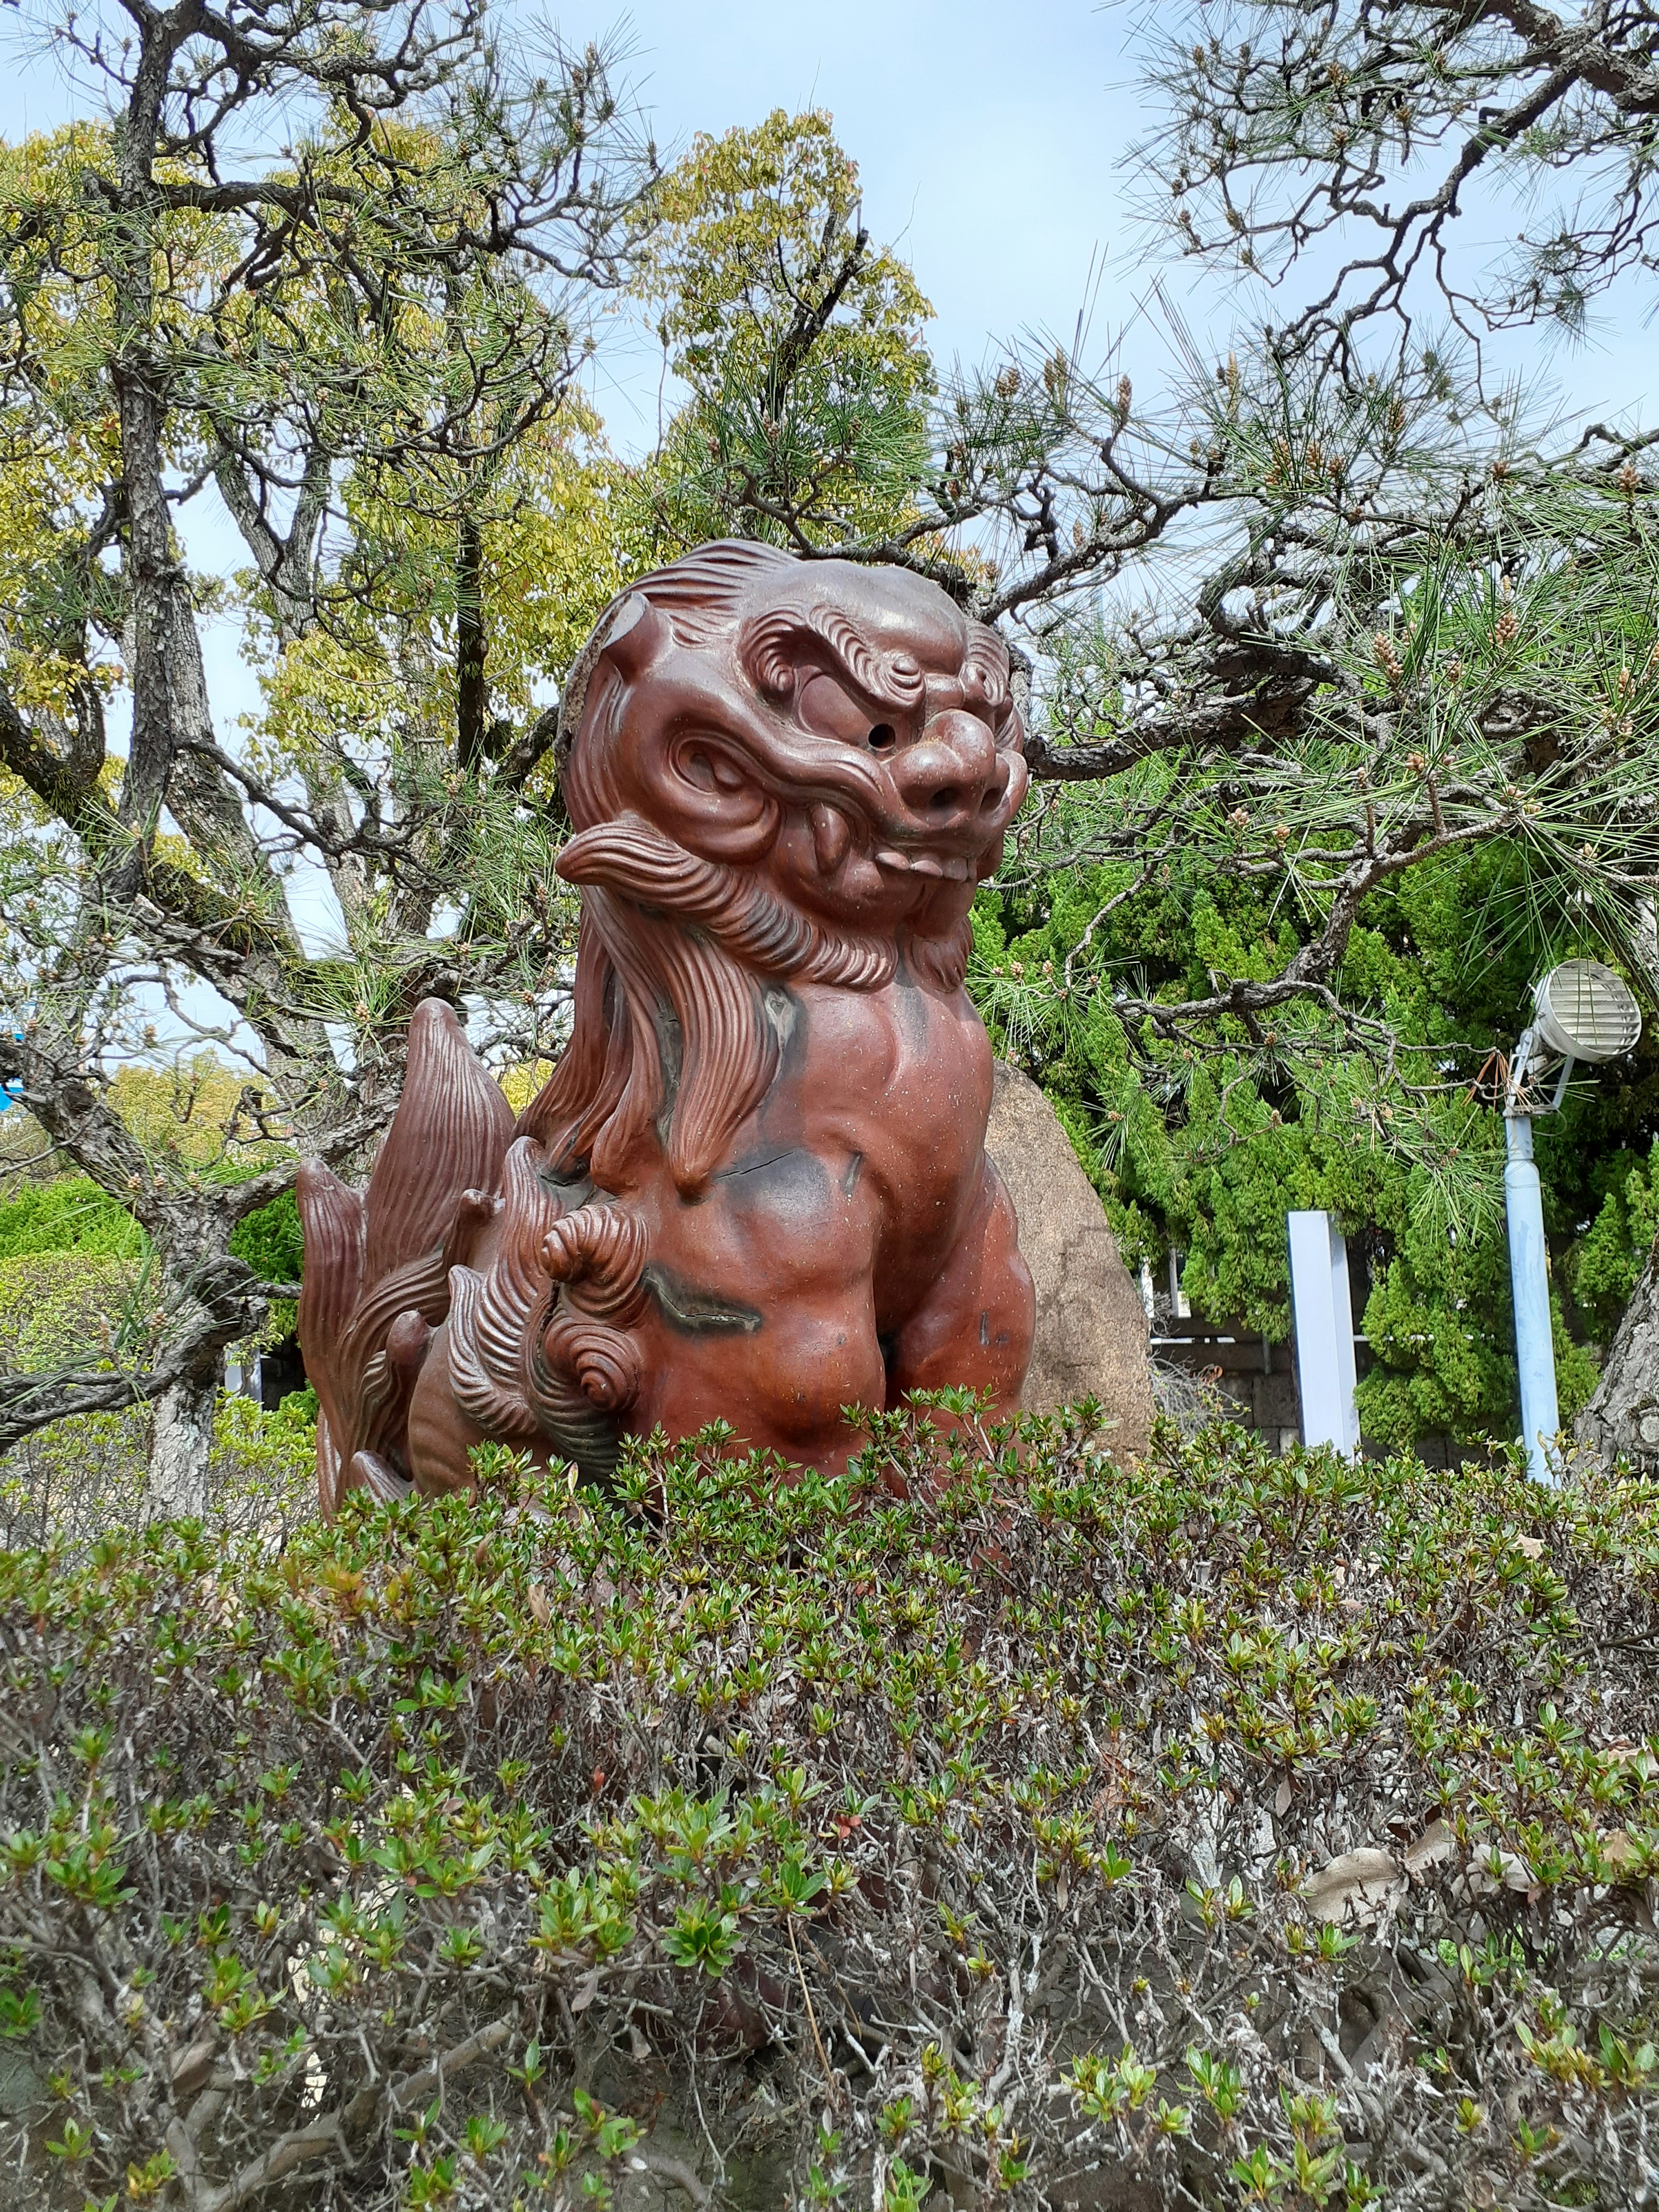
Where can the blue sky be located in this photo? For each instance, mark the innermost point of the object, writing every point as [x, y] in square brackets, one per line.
[986, 134]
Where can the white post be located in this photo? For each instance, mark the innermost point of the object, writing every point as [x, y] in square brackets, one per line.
[242, 1377]
[1322, 1316]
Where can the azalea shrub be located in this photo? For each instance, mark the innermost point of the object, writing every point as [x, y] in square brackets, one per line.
[996, 1824]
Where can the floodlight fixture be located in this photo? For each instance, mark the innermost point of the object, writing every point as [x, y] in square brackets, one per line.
[1583, 1011]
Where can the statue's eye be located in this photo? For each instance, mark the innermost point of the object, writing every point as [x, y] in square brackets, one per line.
[829, 712]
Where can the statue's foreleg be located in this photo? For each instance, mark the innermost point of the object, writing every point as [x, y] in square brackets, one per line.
[975, 1326]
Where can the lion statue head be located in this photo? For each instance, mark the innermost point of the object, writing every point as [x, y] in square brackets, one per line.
[776, 770]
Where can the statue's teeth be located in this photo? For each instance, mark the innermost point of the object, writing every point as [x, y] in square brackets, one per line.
[927, 863]
[888, 858]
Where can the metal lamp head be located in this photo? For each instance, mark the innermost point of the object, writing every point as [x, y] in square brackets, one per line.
[1584, 1011]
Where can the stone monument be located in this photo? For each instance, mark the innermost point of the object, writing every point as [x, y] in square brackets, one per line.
[755, 1188]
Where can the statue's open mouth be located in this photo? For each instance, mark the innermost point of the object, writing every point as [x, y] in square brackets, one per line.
[947, 866]
[952, 850]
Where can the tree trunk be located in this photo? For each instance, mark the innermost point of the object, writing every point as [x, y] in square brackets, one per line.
[471, 689]
[1622, 1418]
[181, 1443]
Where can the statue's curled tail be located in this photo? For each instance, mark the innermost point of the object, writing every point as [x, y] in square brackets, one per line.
[470, 1293]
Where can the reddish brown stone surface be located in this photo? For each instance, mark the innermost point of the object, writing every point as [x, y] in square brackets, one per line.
[755, 1188]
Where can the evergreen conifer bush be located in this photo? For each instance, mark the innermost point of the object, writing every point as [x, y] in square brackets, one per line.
[998, 1824]
[1203, 1150]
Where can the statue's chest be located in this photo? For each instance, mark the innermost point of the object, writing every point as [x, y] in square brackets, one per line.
[900, 1080]
[853, 1177]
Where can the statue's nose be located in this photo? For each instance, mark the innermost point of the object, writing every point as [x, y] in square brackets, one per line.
[953, 773]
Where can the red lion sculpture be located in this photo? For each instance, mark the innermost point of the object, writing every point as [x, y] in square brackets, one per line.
[755, 1186]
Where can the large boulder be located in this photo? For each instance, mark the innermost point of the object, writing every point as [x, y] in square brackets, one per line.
[1622, 1418]
[1091, 1325]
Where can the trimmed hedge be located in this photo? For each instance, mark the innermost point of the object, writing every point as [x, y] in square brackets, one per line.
[1220, 1830]
[67, 1214]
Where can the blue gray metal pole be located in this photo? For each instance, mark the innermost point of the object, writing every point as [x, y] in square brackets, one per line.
[1534, 1346]
[1581, 1011]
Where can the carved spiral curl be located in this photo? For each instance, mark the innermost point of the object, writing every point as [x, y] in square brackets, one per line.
[543, 1336]
[605, 1362]
[599, 1254]
[491, 1312]
[769, 646]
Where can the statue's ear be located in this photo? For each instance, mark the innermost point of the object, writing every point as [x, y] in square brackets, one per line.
[636, 636]
[635, 631]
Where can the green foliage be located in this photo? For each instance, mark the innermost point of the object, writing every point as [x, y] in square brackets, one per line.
[752, 228]
[1207, 1150]
[987, 1811]
[1610, 1255]
[70, 1213]
[348, 302]
[83, 1477]
[273, 1243]
[801, 345]
[55, 1303]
